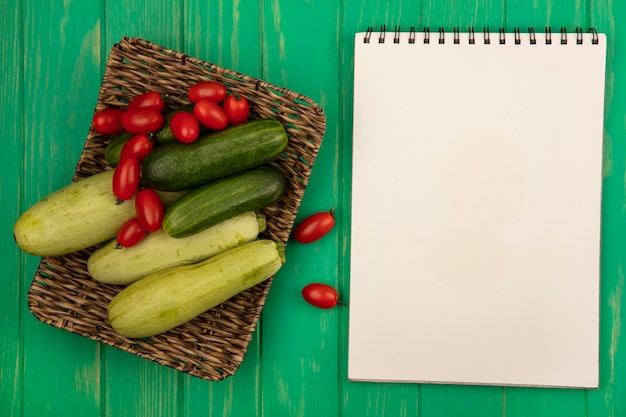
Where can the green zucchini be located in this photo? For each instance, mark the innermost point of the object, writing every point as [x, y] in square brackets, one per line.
[221, 199]
[179, 166]
[171, 297]
[111, 264]
[81, 214]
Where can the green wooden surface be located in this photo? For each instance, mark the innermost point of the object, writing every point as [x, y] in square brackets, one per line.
[53, 57]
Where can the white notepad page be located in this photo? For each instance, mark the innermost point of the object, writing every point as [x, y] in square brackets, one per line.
[476, 201]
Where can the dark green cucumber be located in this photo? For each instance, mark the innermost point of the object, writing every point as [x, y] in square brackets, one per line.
[222, 199]
[114, 147]
[178, 166]
[165, 135]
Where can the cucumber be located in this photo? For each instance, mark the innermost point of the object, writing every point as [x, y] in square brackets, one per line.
[161, 136]
[169, 298]
[221, 199]
[179, 166]
[111, 264]
[165, 135]
[114, 147]
[81, 214]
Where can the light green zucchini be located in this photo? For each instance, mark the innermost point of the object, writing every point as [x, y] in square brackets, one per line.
[81, 214]
[112, 264]
[171, 297]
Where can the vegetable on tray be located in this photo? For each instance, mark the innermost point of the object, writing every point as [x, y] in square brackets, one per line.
[171, 297]
[112, 265]
[179, 166]
[81, 214]
[221, 199]
[175, 219]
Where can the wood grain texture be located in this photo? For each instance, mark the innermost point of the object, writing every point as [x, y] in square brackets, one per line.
[299, 343]
[61, 74]
[608, 17]
[53, 60]
[12, 302]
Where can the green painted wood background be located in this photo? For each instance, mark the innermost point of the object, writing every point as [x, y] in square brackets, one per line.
[52, 60]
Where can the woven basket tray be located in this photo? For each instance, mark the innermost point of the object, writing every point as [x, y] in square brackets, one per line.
[213, 345]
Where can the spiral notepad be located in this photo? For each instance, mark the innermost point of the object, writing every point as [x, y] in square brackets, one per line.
[476, 202]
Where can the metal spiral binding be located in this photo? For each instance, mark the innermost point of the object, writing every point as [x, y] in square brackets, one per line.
[517, 35]
[456, 35]
[533, 38]
[396, 36]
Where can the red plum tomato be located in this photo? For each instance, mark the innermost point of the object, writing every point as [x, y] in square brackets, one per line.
[131, 233]
[139, 146]
[142, 120]
[149, 209]
[314, 227]
[149, 100]
[126, 178]
[185, 127]
[207, 90]
[108, 121]
[237, 109]
[320, 295]
[210, 115]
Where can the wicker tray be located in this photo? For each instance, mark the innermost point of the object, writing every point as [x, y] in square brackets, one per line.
[213, 345]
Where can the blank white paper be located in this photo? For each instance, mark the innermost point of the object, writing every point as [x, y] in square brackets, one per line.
[476, 202]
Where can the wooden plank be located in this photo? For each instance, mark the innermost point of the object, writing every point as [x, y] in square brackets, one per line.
[135, 386]
[364, 398]
[464, 15]
[534, 401]
[545, 13]
[60, 83]
[11, 287]
[134, 383]
[609, 401]
[302, 369]
[227, 34]
[450, 400]
[238, 395]
[157, 21]
[299, 342]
